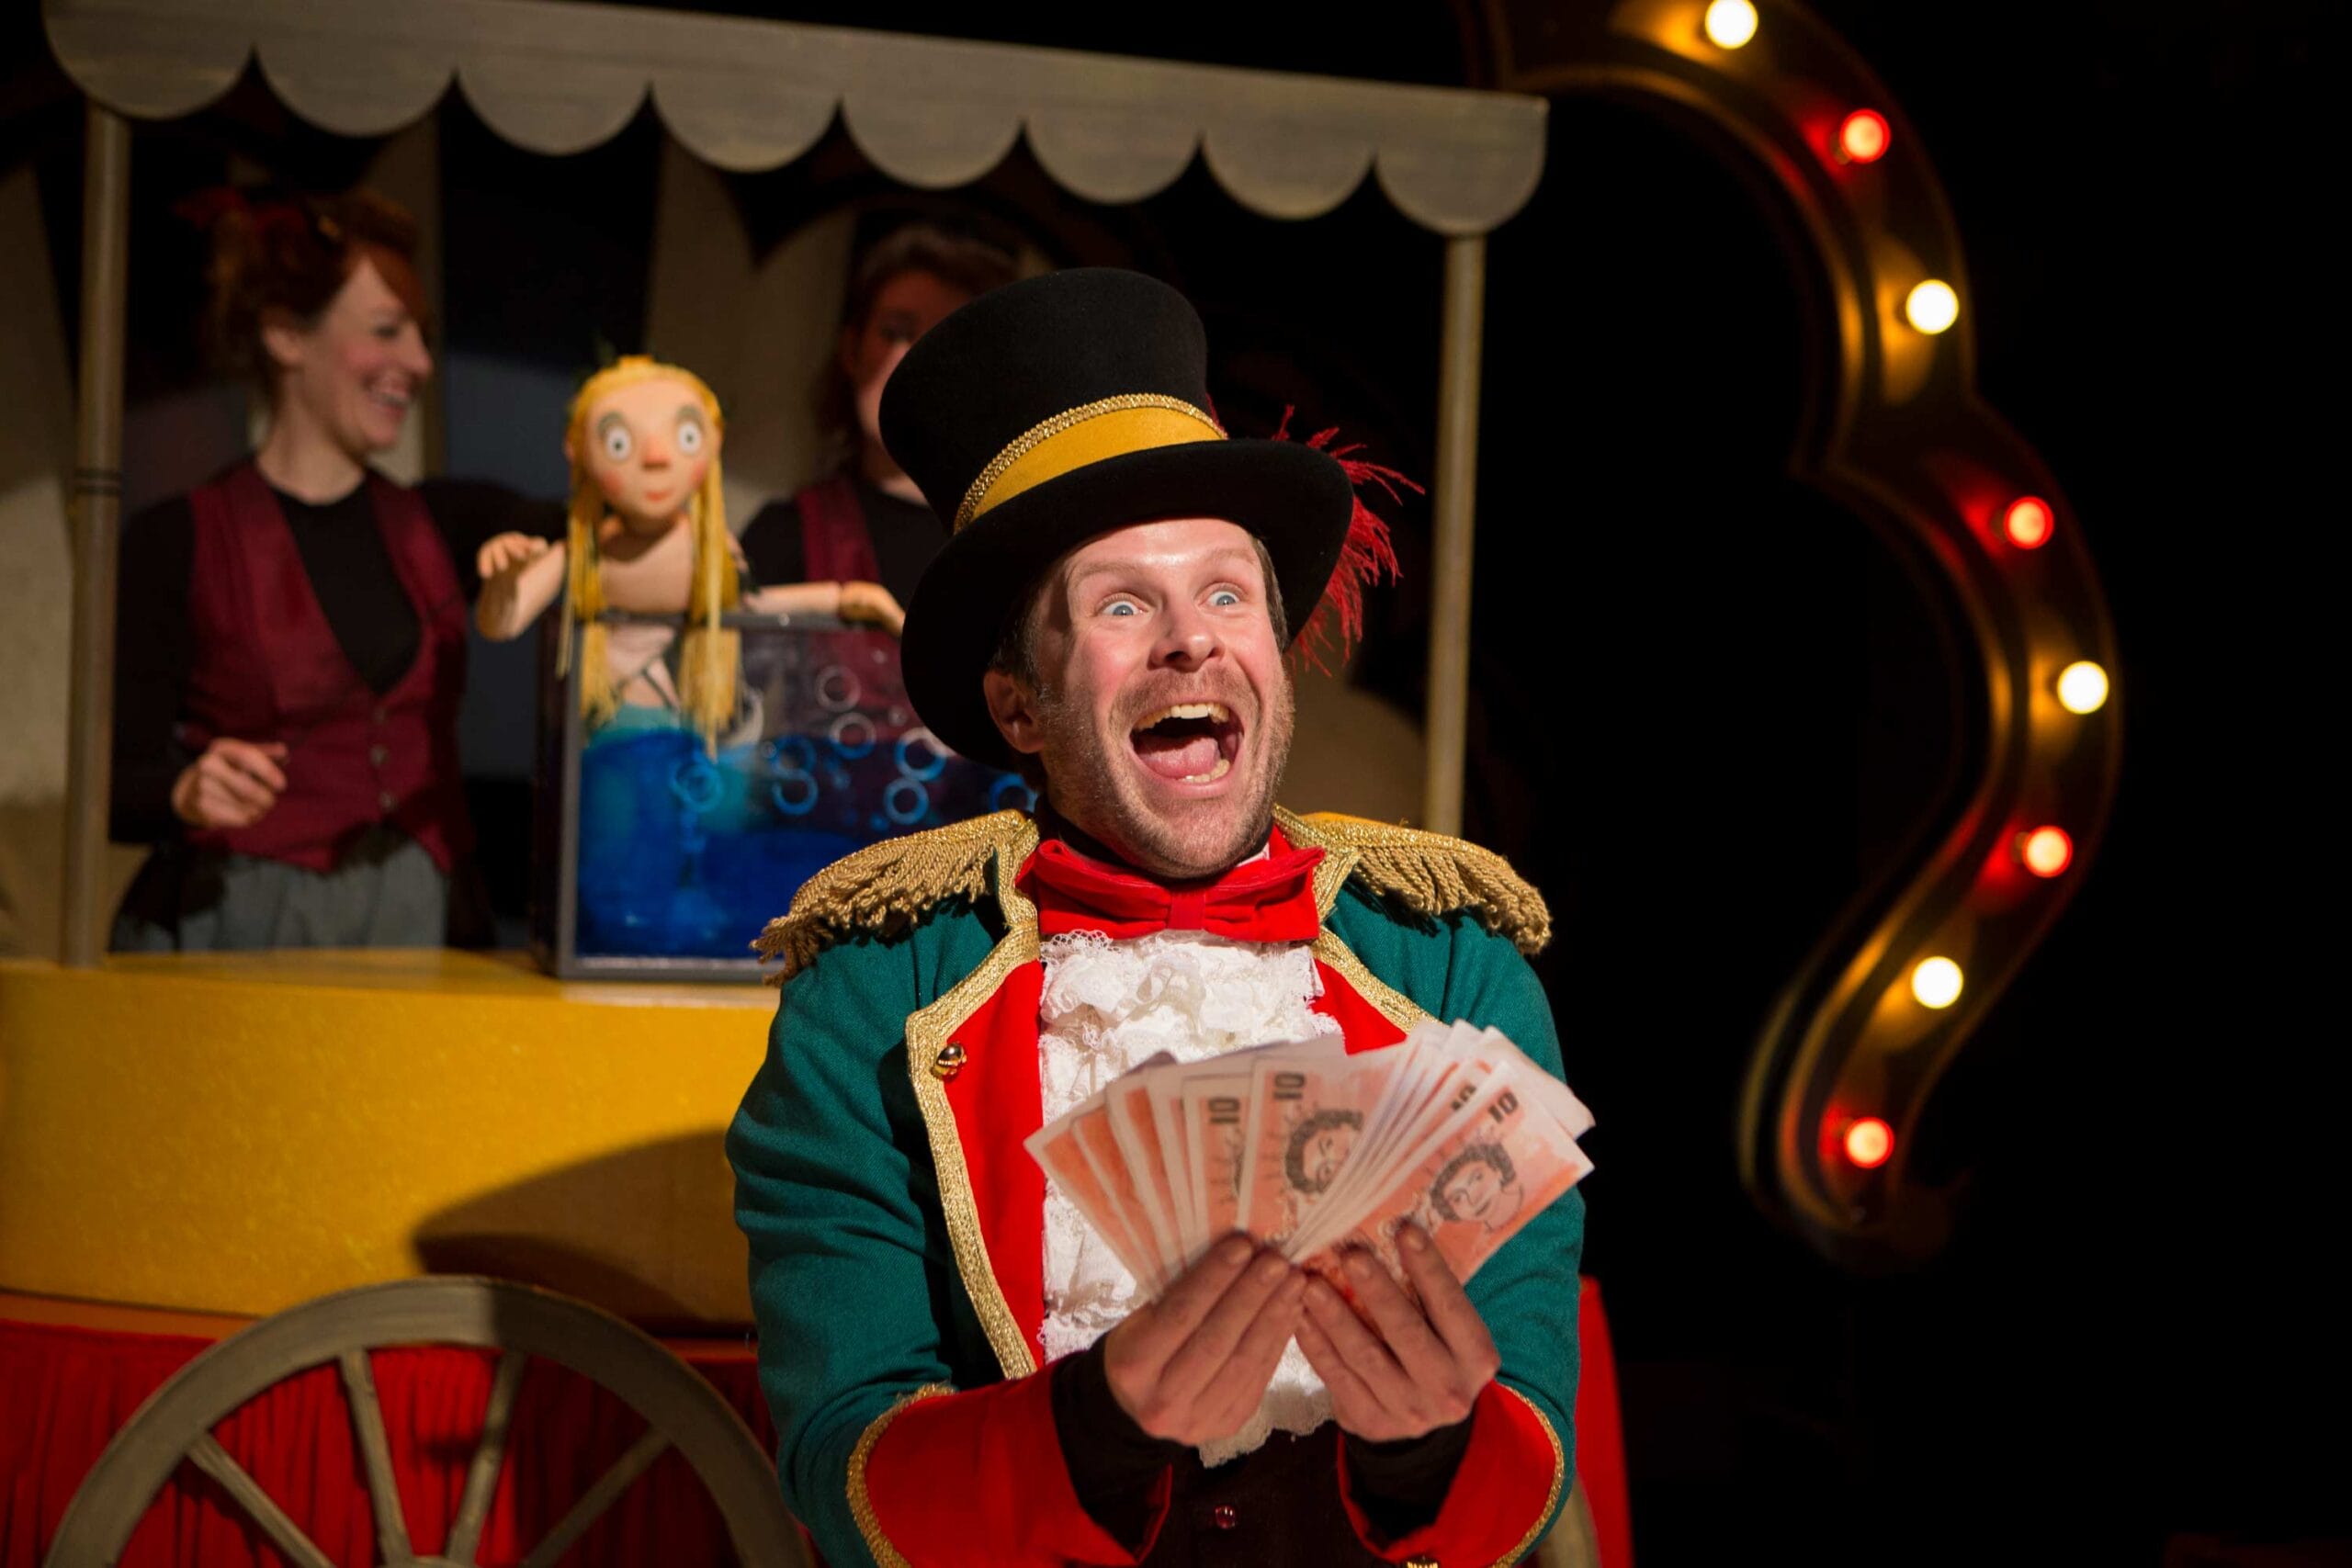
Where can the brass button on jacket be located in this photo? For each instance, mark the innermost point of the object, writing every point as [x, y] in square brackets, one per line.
[948, 1062]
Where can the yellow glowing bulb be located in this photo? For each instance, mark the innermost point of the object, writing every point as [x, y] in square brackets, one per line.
[1730, 23]
[1936, 982]
[1932, 306]
[2082, 687]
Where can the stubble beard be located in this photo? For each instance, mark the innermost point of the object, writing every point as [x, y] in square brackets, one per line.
[1095, 793]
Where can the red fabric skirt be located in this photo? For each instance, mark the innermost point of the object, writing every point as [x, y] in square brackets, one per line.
[65, 1391]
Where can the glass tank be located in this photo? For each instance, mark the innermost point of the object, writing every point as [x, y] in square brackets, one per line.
[662, 854]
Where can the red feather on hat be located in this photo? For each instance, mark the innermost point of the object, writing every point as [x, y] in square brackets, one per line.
[1332, 626]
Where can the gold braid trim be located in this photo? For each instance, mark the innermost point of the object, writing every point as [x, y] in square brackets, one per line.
[885, 887]
[860, 1507]
[1390, 1003]
[1429, 874]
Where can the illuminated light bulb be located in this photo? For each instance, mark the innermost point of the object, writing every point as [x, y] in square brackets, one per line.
[2082, 687]
[1730, 23]
[1936, 982]
[2046, 851]
[1863, 137]
[1869, 1143]
[1932, 306]
[2028, 521]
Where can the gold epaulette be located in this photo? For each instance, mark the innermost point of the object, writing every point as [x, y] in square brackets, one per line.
[885, 887]
[1431, 874]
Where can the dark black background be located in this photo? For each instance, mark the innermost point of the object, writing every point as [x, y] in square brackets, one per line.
[1710, 705]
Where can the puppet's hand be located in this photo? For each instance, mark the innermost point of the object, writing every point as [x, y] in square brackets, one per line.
[233, 784]
[502, 552]
[1193, 1365]
[872, 602]
[795, 599]
[1412, 1370]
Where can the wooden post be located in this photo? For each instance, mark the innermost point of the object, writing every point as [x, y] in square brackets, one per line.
[1447, 726]
[97, 511]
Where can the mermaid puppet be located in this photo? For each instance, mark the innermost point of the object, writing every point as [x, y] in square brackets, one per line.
[686, 826]
[648, 532]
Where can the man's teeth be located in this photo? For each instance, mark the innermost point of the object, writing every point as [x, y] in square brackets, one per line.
[1224, 766]
[392, 399]
[1215, 711]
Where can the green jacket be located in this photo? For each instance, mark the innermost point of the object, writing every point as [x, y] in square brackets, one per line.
[894, 1221]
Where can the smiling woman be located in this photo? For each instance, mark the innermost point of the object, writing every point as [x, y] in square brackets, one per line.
[290, 639]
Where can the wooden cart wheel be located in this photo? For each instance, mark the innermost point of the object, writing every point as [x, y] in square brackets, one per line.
[681, 1411]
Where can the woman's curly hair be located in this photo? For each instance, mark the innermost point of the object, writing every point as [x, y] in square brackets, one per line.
[293, 251]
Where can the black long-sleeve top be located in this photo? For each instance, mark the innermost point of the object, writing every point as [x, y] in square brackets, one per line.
[358, 589]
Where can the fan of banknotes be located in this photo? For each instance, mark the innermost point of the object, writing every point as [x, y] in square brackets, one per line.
[1314, 1150]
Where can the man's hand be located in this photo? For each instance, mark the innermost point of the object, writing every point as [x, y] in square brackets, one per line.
[503, 550]
[1414, 1369]
[1193, 1365]
[233, 784]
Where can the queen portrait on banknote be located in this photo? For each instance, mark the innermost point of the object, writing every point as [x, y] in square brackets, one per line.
[1160, 1175]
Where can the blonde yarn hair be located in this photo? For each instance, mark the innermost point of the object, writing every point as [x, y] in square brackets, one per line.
[709, 653]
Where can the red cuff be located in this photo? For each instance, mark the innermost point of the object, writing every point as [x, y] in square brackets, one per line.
[977, 1476]
[1509, 1481]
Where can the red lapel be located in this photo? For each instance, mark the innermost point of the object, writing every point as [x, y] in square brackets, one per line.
[997, 1102]
[1364, 1027]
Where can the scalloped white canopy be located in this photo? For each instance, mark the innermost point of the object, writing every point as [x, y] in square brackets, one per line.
[746, 95]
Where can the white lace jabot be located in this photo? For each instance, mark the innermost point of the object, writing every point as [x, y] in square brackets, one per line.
[1106, 1007]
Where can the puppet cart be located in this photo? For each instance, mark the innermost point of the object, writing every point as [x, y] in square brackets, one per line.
[187, 1147]
[246, 1204]
[192, 1148]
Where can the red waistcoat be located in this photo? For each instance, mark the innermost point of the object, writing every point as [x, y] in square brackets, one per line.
[835, 546]
[267, 667]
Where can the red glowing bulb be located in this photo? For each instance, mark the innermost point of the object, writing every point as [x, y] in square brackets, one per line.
[2046, 851]
[1869, 1143]
[1863, 136]
[2028, 522]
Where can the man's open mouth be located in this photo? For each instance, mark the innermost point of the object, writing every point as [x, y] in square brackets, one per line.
[1188, 742]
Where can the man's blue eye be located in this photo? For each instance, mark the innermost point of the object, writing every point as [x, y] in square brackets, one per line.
[1122, 609]
[1227, 596]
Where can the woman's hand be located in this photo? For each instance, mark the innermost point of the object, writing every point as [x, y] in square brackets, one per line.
[502, 551]
[872, 602]
[233, 784]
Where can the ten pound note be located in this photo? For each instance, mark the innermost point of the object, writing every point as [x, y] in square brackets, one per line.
[1315, 1152]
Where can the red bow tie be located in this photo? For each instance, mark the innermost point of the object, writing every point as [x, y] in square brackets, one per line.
[1271, 899]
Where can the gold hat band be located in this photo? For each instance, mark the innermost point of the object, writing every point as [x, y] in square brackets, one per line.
[1111, 427]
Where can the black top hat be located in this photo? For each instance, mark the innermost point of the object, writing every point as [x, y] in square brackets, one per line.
[1056, 409]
